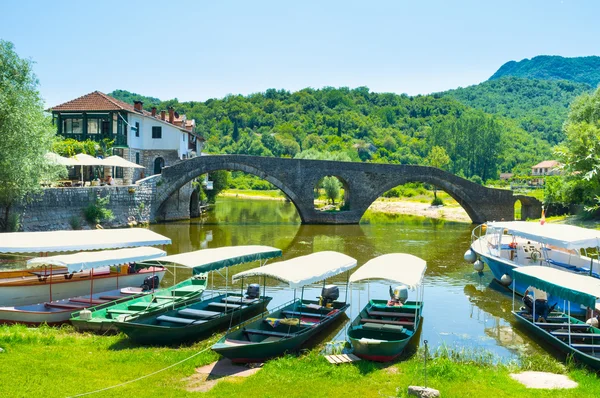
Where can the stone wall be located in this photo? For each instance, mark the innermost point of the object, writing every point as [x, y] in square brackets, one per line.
[56, 208]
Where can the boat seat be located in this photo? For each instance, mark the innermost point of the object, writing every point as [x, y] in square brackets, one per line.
[65, 306]
[575, 335]
[586, 347]
[111, 298]
[199, 314]
[381, 327]
[266, 332]
[300, 313]
[225, 306]
[383, 321]
[392, 314]
[87, 301]
[181, 321]
[547, 325]
[238, 300]
[117, 311]
[164, 297]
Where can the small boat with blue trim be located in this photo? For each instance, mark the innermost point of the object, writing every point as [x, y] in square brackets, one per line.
[289, 326]
[384, 328]
[506, 246]
[559, 329]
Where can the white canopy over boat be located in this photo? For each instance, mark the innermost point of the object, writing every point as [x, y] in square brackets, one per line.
[397, 267]
[88, 260]
[577, 288]
[212, 259]
[303, 270]
[68, 241]
[561, 235]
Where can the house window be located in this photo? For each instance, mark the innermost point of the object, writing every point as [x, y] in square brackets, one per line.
[72, 126]
[156, 131]
[92, 126]
[183, 137]
[137, 130]
[137, 158]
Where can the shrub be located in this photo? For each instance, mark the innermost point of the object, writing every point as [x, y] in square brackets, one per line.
[97, 212]
[437, 202]
[75, 222]
[14, 223]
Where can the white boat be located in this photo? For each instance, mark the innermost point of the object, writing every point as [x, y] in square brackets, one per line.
[54, 307]
[52, 281]
[505, 246]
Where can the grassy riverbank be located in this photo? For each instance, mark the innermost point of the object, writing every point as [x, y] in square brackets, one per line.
[55, 362]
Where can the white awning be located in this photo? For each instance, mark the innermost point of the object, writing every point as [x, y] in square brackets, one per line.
[87, 160]
[580, 289]
[561, 235]
[88, 260]
[397, 267]
[57, 159]
[304, 270]
[117, 161]
[212, 259]
[68, 241]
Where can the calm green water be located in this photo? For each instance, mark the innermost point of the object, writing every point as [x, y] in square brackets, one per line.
[462, 310]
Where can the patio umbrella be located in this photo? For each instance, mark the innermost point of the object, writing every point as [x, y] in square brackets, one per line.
[60, 160]
[117, 161]
[82, 159]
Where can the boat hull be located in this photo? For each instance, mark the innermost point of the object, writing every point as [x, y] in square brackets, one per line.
[148, 330]
[377, 343]
[543, 335]
[241, 347]
[103, 316]
[61, 288]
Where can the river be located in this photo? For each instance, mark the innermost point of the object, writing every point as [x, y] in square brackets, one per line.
[463, 310]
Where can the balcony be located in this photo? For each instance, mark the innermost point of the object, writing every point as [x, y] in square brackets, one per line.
[119, 139]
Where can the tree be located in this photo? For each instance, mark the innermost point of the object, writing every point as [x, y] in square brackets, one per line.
[332, 188]
[437, 158]
[220, 181]
[27, 134]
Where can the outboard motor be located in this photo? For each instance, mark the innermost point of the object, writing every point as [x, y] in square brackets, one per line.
[253, 291]
[329, 294]
[398, 295]
[150, 283]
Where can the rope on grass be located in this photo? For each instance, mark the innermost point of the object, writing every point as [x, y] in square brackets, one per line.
[140, 378]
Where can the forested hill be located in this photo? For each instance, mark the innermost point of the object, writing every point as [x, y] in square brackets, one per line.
[363, 126]
[539, 106]
[552, 67]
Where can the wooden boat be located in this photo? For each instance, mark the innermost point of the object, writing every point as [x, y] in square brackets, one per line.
[59, 310]
[560, 330]
[193, 321]
[383, 329]
[53, 281]
[288, 327]
[103, 317]
[506, 246]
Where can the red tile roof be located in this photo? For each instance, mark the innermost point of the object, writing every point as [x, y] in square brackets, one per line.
[546, 163]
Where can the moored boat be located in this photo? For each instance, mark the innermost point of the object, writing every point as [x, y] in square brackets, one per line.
[559, 329]
[49, 282]
[133, 281]
[506, 246]
[191, 321]
[102, 318]
[383, 328]
[289, 326]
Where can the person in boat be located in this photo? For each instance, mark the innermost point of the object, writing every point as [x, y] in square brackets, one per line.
[539, 301]
[398, 296]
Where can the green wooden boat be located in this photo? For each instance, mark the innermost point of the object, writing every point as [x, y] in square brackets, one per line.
[101, 318]
[380, 333]
[285, 330]
[193, 321]
[384, 328]
[559, 329]
[200, 262]
[288, 327]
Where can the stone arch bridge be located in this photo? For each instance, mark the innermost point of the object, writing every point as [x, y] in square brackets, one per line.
[363, 184]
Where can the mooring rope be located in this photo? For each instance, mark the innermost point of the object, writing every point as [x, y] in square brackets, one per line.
[140, 378]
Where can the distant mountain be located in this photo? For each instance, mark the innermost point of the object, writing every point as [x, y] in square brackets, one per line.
[553, 67]
[539, 106]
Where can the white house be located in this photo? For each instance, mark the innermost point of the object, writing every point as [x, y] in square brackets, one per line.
[151, 139]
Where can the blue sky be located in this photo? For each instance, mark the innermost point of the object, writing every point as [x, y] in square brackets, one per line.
[196, 50]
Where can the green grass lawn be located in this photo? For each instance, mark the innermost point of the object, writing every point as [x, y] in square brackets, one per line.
[53, 362]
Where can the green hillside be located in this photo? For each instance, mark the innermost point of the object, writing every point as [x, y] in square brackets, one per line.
[365, 126]
[552, 67]
[539, 106]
